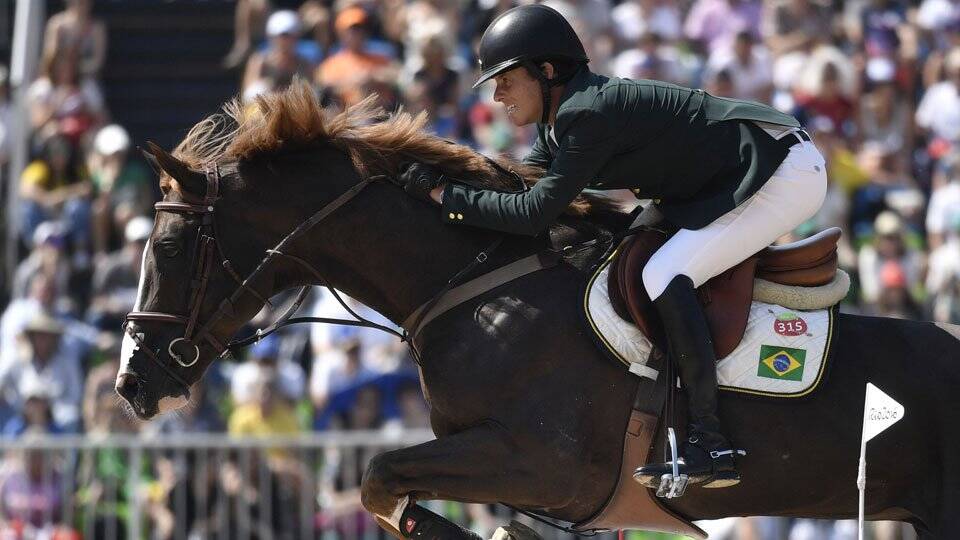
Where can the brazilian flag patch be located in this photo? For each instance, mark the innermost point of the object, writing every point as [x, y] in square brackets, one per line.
[781, 363]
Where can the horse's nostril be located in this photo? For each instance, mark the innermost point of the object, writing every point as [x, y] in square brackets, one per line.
[127, 386]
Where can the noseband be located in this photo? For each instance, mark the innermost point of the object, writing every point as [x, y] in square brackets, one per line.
[207, 250]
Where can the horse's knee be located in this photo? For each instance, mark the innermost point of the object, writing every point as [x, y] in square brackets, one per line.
[378, 489]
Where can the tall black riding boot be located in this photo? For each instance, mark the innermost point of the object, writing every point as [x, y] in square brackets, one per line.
[707, 456]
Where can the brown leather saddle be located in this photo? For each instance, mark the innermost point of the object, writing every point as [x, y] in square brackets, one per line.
[726, 298]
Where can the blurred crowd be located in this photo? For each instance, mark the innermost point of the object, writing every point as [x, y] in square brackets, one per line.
[875, 82]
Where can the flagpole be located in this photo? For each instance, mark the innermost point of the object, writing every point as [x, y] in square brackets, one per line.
[880, 411]
[861, 487]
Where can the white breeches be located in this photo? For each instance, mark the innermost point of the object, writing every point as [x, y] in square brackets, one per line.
[791, 196]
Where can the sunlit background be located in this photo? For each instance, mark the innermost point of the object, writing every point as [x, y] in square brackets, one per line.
[275, 444]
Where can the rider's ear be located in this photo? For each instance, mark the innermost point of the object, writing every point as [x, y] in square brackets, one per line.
[548, 70]
[193, 182]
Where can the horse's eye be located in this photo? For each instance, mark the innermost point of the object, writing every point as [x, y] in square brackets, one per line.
[169, 249]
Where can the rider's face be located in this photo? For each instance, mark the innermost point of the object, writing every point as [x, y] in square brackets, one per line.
[520, 95]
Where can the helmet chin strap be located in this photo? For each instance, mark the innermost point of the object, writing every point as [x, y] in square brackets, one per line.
[545, 86]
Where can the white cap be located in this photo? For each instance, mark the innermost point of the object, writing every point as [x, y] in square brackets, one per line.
[138, 229]
[284, 21]
[887, 223]
[111, 139]
[881, 69]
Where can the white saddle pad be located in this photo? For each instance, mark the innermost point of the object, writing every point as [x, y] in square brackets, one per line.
[782, 354]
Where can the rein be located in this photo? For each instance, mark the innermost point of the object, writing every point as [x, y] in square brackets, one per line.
[208, 248]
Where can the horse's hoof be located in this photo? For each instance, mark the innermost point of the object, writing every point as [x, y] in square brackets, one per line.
[516, 531]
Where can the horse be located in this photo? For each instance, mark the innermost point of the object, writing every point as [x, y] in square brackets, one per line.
[526, 409]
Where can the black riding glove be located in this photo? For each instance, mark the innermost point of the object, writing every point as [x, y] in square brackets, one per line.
[419, 179]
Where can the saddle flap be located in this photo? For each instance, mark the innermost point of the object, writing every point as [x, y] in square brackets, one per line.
[726, 298]
[629, 275]
[726, 303]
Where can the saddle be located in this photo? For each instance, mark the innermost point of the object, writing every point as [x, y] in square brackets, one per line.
[726, 298]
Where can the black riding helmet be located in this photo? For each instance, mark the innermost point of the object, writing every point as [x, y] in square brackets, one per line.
[524, 36]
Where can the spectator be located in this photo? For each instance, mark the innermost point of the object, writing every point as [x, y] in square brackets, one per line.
[881, 24]
[414, 413]
[250, 18]
[885, 178]
[274, 68]
[31, 490]
[265, 363]
[796, 26]
[56, 186]
[123, 187]
[651, 59]
[36, 415]
[349, 69]
[267, 499]
[62, 102]
[944, 267]
[714, 24]
[74, 33]
[720, 83]
[48, 258]
[939, 110]
[633, 18]
[825, 90]
[884, 114]
[116, 279]
[748, 64]
[439, 80]
[414, 23]
[888, 246]
[267, 414]
[348, 372]
[98, 389]
[318, 29]
[44, 297]
[894, 299]
[44, 363]
[944, 208]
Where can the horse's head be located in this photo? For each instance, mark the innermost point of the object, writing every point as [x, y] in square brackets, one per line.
[190, 300]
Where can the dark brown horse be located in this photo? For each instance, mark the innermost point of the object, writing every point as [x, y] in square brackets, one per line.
[527, 411]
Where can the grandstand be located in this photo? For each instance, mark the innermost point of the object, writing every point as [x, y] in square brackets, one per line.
[876, 83]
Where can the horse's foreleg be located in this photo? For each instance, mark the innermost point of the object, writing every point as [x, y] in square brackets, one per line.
[478, 465]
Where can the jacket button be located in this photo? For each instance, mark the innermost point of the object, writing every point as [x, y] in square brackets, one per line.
[451, 215]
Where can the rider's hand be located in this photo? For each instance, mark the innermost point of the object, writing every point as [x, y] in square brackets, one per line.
[419, 179]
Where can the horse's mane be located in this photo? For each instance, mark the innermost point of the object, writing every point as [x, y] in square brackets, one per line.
[377, 142]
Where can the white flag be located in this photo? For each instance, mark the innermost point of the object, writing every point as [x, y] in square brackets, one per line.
[880, 411]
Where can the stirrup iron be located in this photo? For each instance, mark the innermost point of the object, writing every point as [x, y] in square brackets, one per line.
[673, 485]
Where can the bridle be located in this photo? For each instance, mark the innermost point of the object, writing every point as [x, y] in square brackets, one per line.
[208, 249]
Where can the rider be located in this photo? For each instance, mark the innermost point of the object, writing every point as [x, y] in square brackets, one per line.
[732, 175]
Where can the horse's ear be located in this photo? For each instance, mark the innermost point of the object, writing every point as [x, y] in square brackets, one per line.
[151, 160]
[193, 182]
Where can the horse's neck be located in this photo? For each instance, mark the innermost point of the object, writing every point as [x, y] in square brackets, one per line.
[395, 255]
